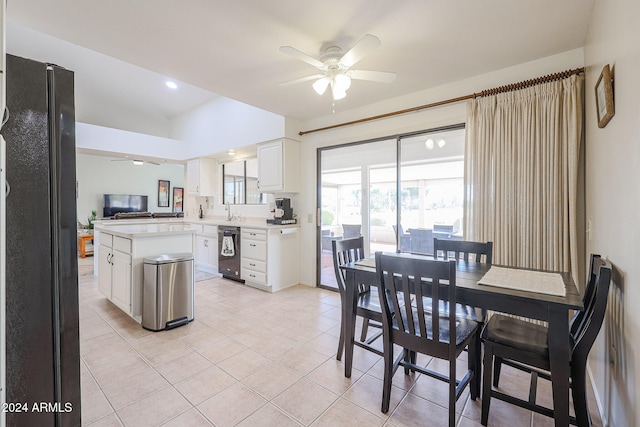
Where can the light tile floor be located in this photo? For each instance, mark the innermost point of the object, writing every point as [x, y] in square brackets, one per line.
[251, 358]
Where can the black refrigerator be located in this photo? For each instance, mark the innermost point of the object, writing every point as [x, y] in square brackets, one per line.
[42, 335]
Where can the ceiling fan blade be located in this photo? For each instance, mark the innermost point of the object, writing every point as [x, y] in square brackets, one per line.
[374, 76]
[302, 56]
[365, 45]
[301, 80]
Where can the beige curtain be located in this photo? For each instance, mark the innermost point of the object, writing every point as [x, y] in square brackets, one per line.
[521, 174]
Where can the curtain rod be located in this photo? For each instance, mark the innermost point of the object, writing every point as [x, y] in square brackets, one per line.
[487, 92]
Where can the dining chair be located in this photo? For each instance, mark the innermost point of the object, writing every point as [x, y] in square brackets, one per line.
[421, 241]
[404, 239]
[417, 328]
[463, 250]
[524, 345]
[368, 304]
[351, 230]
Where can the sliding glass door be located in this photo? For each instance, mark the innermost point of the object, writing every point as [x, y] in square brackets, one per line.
[395, 203]
[432, 189]
[356, 184]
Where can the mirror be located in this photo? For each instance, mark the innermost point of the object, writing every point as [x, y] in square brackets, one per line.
[241, 183]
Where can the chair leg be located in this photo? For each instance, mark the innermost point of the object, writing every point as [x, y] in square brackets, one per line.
[579, 392]
[407, 358]
[486, 383]
[474, 360]
[497, 365]
[452, 393]
[365, 329]
[388, 375]
[341, 341]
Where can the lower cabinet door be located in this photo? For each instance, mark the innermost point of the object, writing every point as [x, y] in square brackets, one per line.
[121, 281]
[104, 270]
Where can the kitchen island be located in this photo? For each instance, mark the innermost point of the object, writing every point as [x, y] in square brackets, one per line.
[121, 249]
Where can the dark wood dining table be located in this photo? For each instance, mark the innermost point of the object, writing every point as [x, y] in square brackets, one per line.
[550, 308]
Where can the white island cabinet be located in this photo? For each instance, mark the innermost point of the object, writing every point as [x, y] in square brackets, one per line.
[121, 258]
[270, 257]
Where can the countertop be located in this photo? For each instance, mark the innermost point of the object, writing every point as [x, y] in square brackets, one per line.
[141, 229]
[248, 223]
[259, 223]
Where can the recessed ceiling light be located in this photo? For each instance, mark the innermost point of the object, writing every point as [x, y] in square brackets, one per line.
[138, 162]
[172, 85]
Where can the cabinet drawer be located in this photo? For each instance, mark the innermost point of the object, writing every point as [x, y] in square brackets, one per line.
[252, 264]
[210, 230]
[197, 227]
[253, 276]
[121, 244]
[254, 249]
[254, 234]
[106, 239]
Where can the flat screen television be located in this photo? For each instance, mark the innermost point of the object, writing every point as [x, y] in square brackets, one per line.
[114, 203]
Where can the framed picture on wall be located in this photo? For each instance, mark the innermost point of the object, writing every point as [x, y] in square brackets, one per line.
[163, 193]
[604, 97]
[178, 194]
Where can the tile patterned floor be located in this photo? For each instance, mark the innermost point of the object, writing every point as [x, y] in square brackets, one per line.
[252, 358]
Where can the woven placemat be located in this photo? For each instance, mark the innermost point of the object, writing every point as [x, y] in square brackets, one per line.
[525, 280]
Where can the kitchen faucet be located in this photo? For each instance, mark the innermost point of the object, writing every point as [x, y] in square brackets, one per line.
[229, 216]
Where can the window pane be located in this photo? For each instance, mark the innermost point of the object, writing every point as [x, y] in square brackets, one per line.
[432, 189]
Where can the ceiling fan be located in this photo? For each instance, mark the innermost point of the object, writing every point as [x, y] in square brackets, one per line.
[336, 67]
[136, 161]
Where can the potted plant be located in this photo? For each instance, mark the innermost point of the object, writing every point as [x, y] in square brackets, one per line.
[91, 219]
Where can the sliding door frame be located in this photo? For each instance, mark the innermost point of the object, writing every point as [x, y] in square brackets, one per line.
[320, 150]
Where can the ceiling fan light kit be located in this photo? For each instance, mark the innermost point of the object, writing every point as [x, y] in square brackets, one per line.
[336, 67]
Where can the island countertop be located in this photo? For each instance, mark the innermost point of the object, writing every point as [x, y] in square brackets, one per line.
[145, 230]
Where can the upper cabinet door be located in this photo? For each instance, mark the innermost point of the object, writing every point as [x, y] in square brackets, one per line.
[201, 177]
[278, 170]
[193, 177]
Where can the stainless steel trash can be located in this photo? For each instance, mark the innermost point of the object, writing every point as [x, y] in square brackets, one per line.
[167, 300]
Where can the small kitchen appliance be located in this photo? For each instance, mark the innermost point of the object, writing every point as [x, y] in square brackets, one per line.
[283, 213]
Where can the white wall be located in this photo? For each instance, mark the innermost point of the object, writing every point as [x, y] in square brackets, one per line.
[223, 123]
[99, 138]
[426, 119]
[613, 204]
[98, 175]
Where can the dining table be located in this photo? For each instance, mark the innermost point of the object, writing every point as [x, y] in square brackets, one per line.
[516, 300]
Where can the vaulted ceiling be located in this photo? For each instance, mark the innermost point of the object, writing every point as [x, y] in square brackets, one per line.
[125, 49]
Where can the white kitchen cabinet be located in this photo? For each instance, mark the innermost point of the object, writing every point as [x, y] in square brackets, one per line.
[114, 275]
[104, 265]
[207, 249]
[278, 166]
[121, 284]
[123, 249]
[269, 257]
[201, 176]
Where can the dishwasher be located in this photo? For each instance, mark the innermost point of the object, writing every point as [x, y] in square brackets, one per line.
[229, 252]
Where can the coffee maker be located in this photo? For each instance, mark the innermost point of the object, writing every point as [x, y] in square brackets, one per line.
[283, 213]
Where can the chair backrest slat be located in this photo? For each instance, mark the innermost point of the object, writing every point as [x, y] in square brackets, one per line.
[463, 250]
